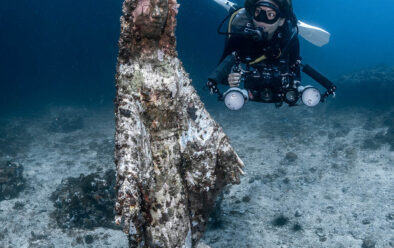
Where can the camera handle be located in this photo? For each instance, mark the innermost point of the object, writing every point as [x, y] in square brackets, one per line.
[322, 80]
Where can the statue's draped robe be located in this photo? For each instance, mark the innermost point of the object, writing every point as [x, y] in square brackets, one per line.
[172, 158]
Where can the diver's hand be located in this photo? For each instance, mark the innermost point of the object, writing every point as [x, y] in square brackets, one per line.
[234, 79]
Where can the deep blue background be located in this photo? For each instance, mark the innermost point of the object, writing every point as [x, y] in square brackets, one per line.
[55, 52]
[64, 52]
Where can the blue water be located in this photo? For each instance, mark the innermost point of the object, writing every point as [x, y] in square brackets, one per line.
[57, 52]
[65, 51]
[361, 34]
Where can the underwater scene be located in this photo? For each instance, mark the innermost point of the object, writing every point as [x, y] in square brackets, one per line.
[315, 176]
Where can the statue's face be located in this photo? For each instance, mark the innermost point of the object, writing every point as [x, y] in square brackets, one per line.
[150, 16]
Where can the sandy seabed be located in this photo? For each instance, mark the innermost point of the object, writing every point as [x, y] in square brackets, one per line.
[320, 177]
[49, 158]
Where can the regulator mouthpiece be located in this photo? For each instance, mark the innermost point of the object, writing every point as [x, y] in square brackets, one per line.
[310, 96]
[235, 98]
[257, 34]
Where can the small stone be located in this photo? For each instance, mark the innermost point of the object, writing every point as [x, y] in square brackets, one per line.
[298, 213]
[368, 243]
[246, 199]
[323, 239]
[297, 227]
[319, 232]
[18, 205]
[291, 156]
[89, 239]
[366, 221]
[281, 220]
[330, 209]
[255, 178]
[35, 237]
[390, 216]
[79, 240]
[313, 169]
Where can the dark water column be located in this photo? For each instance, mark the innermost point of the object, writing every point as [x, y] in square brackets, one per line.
[172, 158]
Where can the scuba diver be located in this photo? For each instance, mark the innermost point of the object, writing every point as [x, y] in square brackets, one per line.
[262, 52]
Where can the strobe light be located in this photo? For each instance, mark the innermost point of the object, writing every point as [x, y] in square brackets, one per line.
[235, 98]
[310, 96]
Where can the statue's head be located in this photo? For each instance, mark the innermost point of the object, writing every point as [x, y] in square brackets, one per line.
[150, 17]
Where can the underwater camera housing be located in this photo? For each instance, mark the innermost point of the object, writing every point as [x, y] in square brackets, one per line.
[269, 85]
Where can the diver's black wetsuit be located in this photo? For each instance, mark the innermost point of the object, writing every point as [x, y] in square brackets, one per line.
[247, 47]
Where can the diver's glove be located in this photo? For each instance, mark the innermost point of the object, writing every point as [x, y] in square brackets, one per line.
[234, 79]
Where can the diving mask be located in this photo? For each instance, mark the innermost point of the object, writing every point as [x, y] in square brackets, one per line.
[269, 15]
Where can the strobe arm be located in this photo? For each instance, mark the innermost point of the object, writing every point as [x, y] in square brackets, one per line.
[318, 77]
